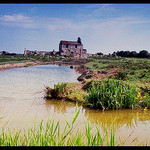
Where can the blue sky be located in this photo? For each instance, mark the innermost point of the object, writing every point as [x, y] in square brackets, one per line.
[102, 27]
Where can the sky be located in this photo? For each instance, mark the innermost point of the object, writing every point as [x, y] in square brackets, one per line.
[102, 27]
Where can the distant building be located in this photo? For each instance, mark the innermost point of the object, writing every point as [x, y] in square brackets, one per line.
[28, 52]
[72, 48]
[39, 53]
[66, 48]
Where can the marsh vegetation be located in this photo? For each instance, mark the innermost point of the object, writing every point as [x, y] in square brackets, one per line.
[127, 87]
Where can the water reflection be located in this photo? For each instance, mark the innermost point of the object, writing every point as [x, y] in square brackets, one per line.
[113, 118]
[117, 118]
[59, 106]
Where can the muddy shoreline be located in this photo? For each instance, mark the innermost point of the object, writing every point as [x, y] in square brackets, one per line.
[35, 63]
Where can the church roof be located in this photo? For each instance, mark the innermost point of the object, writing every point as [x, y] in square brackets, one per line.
[70, 42]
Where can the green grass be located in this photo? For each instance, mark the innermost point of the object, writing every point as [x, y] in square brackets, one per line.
[13, 59]
[13, 62]
[133, 70]
[115, 94]
[102, 94]
[68, 91]
[51, 135]
[57, 92]
[5, 59]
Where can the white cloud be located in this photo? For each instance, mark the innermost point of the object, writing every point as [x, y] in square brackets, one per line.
[15, 18]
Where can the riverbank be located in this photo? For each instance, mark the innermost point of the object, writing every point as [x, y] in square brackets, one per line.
[37, 62]
[109, 84]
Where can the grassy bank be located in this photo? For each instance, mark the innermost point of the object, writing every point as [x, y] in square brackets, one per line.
[19, 58]
[102, 94]
[126, 87]
[12, 60]
[134, 70]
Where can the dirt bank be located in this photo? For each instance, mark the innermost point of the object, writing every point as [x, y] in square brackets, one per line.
[87, 74]
[18, 65]
[34, 63]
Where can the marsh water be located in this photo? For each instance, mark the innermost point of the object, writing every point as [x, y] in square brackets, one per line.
[22, 104]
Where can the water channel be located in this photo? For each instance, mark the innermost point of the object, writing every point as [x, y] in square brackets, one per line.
[22, 104]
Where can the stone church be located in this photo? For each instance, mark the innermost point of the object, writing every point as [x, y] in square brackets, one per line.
[72, 48]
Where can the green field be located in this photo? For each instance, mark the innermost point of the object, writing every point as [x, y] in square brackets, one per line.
[4, 59]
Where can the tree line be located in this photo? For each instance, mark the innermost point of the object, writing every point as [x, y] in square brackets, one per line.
[141, 54]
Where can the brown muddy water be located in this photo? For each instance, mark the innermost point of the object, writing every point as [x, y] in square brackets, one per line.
[22, 104]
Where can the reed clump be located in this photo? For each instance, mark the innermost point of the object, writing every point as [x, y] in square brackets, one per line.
[58, 90]
[67, 91]
[103, 94]
[115, 94]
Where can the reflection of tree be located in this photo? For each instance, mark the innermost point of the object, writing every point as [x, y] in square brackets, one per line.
[117, 118]
[59, 106]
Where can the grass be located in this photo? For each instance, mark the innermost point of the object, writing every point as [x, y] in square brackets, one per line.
[51, 135]
[58, 91]
[114, 94]
[102, 94]
[131, 69]
[13, 62]
[13, 59]
[27, 65]
[68, 91]
[128, 88]
[5, 59]
[135, 71]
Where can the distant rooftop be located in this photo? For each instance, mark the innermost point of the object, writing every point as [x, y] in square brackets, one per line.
[70, 42]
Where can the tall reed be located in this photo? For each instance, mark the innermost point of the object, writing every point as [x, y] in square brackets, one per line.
[52, 135]
[112, 94]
